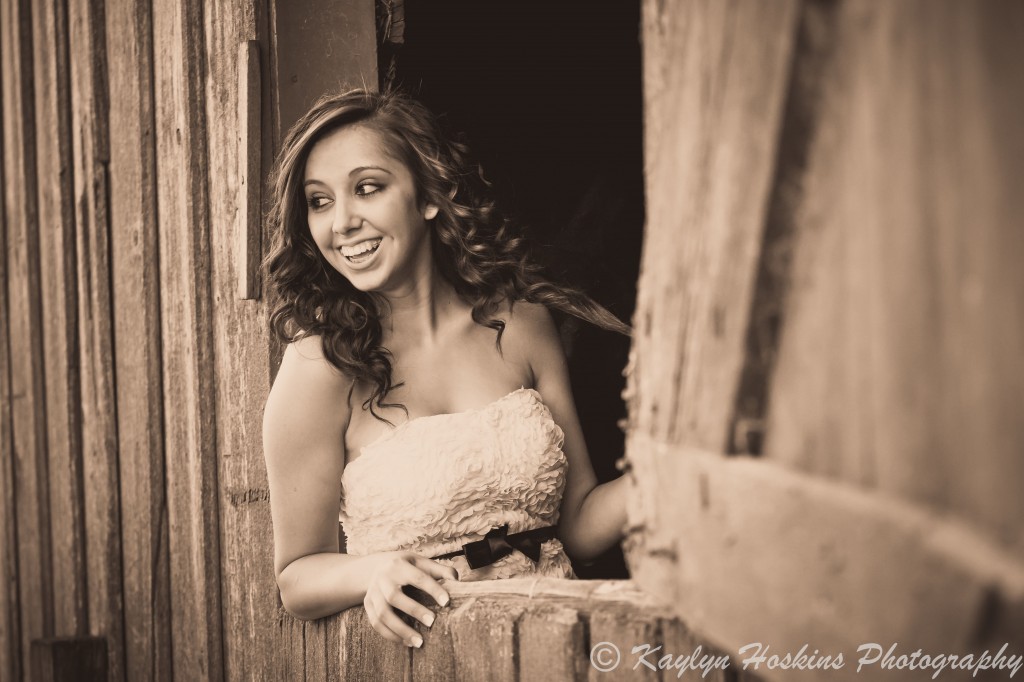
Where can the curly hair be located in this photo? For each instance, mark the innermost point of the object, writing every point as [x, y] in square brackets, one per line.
[474, 246]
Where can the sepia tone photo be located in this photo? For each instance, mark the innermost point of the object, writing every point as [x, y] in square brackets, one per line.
[455, 340]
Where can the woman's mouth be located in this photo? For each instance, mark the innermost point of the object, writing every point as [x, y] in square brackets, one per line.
[361, 252]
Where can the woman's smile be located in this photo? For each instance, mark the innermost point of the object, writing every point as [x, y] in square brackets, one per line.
[361, 252]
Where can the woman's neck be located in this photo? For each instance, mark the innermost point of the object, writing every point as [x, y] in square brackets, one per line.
[416, 314]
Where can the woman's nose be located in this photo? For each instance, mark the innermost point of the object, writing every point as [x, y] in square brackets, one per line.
[345, 219]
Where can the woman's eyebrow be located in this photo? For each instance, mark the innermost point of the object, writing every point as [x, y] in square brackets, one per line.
[364, 168]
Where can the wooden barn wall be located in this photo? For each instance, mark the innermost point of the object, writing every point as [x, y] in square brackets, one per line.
[133, 369]
[830, 281]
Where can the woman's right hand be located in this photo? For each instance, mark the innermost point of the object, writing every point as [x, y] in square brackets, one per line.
[384, 594]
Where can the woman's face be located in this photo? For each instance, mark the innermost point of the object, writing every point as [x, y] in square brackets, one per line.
[363, 213]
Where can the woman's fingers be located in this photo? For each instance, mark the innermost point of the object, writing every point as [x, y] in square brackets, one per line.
[426, 575]
[406, 604]
[390, 622]
[439, 571]
[385, 621]
[373, 615]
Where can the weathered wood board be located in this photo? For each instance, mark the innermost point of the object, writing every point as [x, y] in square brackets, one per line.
[189, 381]
[136, 292]
[89, 127]
[58, 279]
[25, 343]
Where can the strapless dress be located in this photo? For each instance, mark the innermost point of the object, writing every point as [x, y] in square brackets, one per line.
[438, 482]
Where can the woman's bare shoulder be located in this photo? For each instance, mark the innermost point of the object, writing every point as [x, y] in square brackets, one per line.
[526, 322]
[532, 336]
[309, 389]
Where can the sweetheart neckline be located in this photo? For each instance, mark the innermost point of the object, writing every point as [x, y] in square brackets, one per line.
[476, 410]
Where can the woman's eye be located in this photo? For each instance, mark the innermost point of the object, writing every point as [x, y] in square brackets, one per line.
[317, 202]
[367, 188]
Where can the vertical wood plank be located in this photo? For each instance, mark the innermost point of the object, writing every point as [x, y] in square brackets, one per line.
[723, 67]
[10, 629]
[60, 314]
[135, 264]
[239, 337]
[99, 408]
[248, 235]
[136, 291]
[188, 356]
[484, 640]
[25, 342]
[552, 645]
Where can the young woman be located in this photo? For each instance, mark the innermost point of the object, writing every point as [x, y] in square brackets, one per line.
[423, 397]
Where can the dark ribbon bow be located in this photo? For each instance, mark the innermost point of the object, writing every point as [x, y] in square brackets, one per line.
[498, 543]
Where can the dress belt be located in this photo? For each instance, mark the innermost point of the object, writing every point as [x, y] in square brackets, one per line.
[498, 543]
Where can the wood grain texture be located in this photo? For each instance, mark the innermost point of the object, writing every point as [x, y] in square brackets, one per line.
[58, 277]
[364, 652]
[789, 558]
[137, 358]
[89, 125]
[289, 661]
[552, 645]
[484, 640]
[189, 381]
[314, 634]
[239, 338]
[722, 68]
[902, 363]
[25, 344]
[10, 627]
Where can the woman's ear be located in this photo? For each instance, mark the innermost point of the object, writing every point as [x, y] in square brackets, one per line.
[430, 212]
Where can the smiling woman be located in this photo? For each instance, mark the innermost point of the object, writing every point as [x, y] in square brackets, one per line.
[407, 298]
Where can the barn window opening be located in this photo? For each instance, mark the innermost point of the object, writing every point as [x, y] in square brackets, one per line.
[549, 96]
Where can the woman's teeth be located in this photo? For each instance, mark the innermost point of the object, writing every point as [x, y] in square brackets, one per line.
[361, 251]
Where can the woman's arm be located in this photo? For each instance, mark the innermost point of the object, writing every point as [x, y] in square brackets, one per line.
[304, 425]
[593, 517]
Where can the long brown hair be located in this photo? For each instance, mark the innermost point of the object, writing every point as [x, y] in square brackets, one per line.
[474, 246]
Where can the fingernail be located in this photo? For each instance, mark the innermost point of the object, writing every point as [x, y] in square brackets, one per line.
[444, 600]
[429, 619]
[417, 641]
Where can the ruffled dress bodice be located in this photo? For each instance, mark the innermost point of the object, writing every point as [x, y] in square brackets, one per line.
[438, 482]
